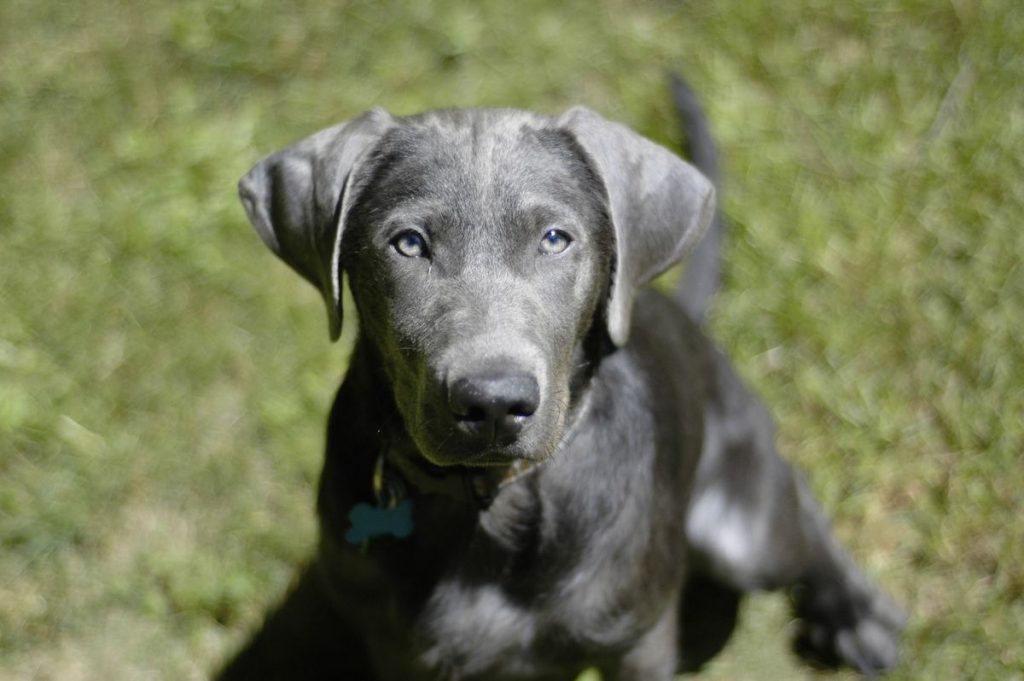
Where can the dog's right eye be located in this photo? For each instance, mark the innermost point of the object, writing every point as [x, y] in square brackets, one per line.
[410, 244]
[555, 241]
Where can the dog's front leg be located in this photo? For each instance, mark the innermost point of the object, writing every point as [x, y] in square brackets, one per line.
[302, 640]
[655, 657]
[754, 524]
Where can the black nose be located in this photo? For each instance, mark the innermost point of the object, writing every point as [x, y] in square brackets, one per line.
[495, 406]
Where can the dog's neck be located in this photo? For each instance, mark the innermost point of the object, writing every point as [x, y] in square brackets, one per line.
[475, 485]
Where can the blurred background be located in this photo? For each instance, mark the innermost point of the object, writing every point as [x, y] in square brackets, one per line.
[164, 380]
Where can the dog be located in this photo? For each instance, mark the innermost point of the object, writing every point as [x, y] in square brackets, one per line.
[536, 464]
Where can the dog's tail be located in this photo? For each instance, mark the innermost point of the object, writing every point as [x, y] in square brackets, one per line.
[702, 273]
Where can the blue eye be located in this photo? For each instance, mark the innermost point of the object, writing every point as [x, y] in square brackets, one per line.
[410, 244]
[554, 242]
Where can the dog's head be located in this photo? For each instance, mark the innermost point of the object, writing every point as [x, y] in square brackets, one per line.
[482, 247]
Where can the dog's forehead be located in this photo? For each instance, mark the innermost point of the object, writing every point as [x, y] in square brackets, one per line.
[488, 156]
[479, 136]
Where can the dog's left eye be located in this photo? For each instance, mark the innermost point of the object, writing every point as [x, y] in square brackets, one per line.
[554, 242]
[410, 244]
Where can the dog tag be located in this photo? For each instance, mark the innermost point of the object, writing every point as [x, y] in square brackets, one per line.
[367, 522]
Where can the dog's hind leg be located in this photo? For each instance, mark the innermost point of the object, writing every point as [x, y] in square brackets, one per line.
[709, 613]
[753, 524]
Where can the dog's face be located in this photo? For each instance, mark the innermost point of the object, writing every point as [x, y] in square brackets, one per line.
[482, 247]
[478, 253]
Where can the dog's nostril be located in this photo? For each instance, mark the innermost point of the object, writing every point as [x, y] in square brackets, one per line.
[522, 409]
[472, 414]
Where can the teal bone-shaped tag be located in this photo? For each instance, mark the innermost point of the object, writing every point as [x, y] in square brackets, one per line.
[367, 522]
[392, 516]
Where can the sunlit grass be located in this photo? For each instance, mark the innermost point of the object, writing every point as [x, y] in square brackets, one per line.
[164, 381]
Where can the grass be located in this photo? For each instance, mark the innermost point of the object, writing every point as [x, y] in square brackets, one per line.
[164, 381]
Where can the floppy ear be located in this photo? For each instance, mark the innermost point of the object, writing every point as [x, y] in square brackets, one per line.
[660, 206]
[298, 198]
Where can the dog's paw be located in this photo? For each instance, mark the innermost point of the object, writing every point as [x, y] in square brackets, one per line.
[860, 628]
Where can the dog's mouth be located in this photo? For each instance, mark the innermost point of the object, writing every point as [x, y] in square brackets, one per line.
[475, 438]
[461, 448]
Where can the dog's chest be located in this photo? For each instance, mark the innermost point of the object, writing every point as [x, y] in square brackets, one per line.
[527, 601]
[471, 631]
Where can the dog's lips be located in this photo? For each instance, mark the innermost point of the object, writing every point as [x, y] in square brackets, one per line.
[454, 455]
[500, 457]
[487, 462]
[453, 448]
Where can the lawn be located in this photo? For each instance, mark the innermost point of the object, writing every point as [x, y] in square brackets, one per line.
[164, 381]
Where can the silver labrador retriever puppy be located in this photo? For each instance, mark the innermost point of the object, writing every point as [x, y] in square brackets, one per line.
[534, 465]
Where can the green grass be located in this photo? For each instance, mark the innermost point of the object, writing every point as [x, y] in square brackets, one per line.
[164, 381]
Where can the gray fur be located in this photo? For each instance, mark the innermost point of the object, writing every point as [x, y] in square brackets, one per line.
[593, 484]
